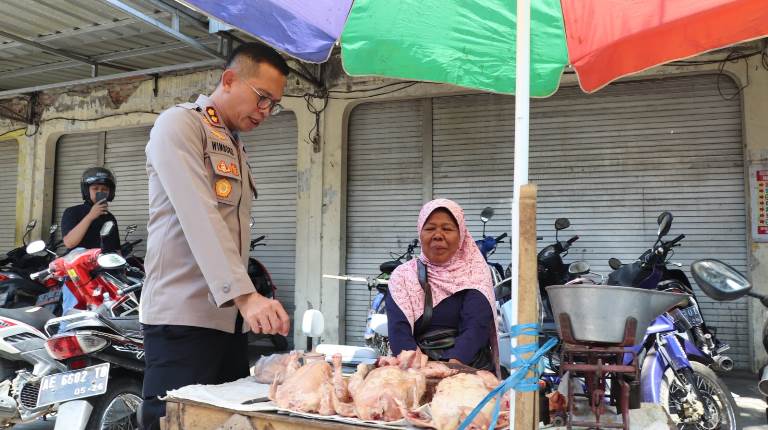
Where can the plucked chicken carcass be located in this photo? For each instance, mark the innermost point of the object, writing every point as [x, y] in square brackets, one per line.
[386, 393]
[309, 388]
[456, 397]
[269, 367]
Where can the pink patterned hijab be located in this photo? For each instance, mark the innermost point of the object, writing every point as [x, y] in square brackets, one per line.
[467, 269]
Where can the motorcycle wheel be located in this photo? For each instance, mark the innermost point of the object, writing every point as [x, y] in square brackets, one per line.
[717, 398]
[116, 409]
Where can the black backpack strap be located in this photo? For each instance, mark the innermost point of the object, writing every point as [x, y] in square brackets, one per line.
[426, 318]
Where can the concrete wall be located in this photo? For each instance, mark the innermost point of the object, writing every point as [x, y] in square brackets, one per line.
[321, 174]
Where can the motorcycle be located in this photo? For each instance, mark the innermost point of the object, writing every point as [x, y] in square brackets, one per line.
[100, 347]
[552, 270]
[487, 246]
[263, 344]
[24, 361]
[376, 333]
[721, 282]
[16, 288]
[651, 271]
[673, 369]
[127, 248]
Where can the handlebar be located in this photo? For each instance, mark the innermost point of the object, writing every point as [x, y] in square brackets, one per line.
[573, 239]
[500, 238]
[674, 241]
[129, 289]
[40, 275]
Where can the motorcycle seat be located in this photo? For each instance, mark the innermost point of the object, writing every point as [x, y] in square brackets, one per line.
[31, 315]
[128, 326]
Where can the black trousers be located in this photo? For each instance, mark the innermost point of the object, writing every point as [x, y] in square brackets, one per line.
[176, 356]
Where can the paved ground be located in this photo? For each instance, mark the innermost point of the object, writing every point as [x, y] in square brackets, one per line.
[752, 406]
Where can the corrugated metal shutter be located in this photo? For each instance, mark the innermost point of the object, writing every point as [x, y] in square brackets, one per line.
[472, 159]
[271, 149]
[74, 153]
[384, 193]
[124, 155]
[9, 173]
[611, 162]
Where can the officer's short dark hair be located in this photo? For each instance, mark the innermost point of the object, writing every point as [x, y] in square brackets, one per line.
[258, 53]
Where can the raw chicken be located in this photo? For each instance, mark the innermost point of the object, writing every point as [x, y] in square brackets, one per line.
[267, 368]
[383, 394]
[418, 361]
[456, 397]
[310, 388]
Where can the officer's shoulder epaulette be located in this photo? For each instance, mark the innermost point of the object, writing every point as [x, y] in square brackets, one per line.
[190, 106]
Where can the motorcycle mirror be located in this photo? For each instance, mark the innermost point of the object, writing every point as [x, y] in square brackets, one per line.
[379, 324]
[562, 223]
[131, 228]
[31, 224]
[35, 247]
[665, 223]
[578, 268]
[312, 323]
[252, 223]
[486, 214]
[110, 261]
[53, 228]
[106, 228]
[719, 280]
[615, 263]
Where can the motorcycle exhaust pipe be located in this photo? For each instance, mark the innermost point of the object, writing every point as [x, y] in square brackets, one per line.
[723, 363]
[763, 384]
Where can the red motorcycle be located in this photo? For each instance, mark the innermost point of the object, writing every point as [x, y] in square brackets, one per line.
[95, 278]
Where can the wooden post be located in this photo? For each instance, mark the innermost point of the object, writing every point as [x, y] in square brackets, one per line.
[526, 404]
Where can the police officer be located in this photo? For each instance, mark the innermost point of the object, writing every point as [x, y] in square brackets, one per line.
[197, 290]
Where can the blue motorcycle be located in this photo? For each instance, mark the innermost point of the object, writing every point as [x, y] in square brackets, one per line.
[675, 369]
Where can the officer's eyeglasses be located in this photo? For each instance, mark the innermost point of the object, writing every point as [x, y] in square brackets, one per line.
[266, 103]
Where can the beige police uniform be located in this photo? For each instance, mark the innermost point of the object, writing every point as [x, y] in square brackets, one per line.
[200, 193]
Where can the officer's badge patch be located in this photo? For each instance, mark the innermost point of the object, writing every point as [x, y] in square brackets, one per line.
[223, 188]
[223, 168]
[218, 134]
[213, 115]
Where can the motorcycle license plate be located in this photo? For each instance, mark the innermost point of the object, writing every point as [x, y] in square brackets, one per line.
[693, 316]
[75, 384]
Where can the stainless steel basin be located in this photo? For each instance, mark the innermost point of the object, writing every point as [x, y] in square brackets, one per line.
[598, 313]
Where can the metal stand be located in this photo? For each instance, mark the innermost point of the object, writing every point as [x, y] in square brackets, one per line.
[597, 363]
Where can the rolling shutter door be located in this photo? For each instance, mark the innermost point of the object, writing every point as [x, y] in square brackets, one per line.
[125, 157]
[472, 160]
[271, 150]
[9, 173]
[611, 162]
[384, 194]
[74, 154]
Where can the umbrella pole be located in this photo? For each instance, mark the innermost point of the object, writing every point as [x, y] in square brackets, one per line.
[522, 110]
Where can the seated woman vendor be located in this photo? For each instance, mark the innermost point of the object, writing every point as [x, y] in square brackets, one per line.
[447, 310]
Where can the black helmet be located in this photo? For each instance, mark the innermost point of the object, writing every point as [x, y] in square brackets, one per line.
[97, 175]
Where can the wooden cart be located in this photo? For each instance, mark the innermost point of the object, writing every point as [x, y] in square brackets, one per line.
[188, 415]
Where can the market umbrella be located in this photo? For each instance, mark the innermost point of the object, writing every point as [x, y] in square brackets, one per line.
[306, 30]
[472, 43]
[498, 45]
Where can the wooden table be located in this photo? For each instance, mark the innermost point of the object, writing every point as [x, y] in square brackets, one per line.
[187, 415]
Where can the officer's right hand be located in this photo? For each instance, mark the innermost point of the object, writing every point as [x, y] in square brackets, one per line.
[98, 209]
[264, 315]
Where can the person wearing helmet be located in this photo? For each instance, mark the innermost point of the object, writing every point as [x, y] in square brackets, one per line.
[80, 225]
